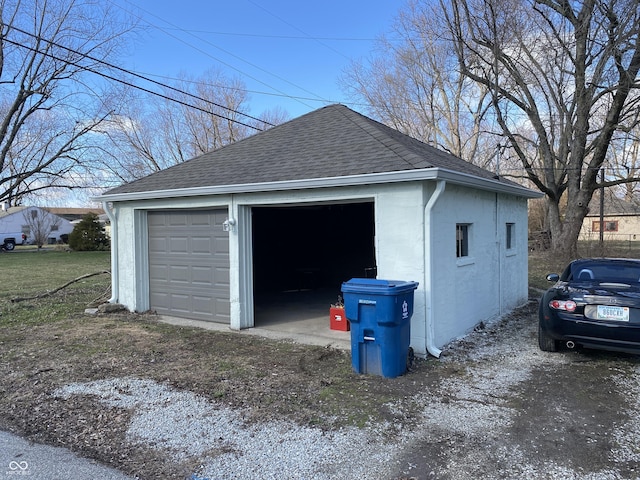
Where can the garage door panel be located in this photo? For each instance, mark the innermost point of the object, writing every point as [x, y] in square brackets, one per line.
[157, 245]
[202, 276]
[158, 272]
[156, 220]
[189, 264]
[221, 246]
[179, 274]
[178, 244]
[202, 305]
[177, 219]
[221, 276]
[192, 306]
[202, 221]
[222, 309]
[159, 301]
[202, 245]
[179, 303]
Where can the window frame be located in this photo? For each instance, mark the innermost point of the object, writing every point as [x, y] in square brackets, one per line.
[595, 226]
[510, 236]
[463, 246]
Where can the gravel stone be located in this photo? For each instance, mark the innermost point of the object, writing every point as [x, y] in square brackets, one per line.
[497, 408]
[186, 425]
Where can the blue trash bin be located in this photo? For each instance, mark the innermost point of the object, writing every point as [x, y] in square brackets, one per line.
[379, 312]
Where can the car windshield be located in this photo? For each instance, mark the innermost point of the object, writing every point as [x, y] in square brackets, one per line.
[604, 272]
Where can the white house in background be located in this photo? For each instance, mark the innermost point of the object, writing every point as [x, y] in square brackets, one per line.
[16, 221]
[620, 219]
[314, 202]
[76, 214]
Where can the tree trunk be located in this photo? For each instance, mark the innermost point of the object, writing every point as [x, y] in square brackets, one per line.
[565, 231]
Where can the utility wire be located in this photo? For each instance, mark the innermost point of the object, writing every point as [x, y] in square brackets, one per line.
[256, 92]
[134, 74]
[282, 37]
[299, 30]
[318, 98]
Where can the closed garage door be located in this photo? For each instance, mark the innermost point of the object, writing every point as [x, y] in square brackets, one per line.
[189, 264]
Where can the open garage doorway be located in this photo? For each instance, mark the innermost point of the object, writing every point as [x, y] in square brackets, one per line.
[301, 256]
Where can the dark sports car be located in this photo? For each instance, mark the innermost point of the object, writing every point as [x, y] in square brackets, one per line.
[595, 303]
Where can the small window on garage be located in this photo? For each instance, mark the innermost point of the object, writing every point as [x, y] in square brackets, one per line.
[511, 235]
[462, 239]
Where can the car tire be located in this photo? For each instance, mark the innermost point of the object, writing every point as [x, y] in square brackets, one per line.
[9, 246]
[545, 342]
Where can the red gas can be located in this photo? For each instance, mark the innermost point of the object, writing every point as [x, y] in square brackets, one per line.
[338, 320]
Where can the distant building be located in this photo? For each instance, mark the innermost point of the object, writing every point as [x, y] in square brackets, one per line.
[14, 221]
[620, 219]
[73, 214]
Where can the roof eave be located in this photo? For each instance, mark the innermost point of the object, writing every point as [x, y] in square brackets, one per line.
[351, 180]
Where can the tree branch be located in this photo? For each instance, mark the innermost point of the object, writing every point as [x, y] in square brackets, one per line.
[55, 290]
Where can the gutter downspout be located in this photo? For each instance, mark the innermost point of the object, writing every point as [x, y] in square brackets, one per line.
[114, 252]
[499, 249]
[429, 270]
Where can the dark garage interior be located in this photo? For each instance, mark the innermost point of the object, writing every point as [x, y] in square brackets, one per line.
[302, 254]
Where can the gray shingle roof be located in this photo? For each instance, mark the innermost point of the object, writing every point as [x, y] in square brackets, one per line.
[333, 141]
[11, 211]
[613, 205]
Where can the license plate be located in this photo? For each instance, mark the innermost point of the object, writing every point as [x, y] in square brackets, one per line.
[606, 312]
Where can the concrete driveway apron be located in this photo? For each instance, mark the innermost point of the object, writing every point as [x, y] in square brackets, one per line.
[22, 459]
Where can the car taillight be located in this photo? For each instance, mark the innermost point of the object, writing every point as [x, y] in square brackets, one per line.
[567, 305]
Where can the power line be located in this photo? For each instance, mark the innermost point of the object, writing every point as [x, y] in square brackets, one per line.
[296, 28]
[245, 90]
[284, 37]
[176, 27]
[134, 74]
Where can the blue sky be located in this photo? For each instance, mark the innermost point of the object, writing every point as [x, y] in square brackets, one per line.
[289, 53]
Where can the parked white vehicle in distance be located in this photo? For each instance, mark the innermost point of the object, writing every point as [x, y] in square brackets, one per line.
[10, 240]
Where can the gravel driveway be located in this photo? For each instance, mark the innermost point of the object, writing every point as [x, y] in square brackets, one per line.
[492, 407]
[515, 412]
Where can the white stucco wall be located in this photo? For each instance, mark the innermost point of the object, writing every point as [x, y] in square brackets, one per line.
[400, 248]
[464, 292]
[515, 262]
[491, 280]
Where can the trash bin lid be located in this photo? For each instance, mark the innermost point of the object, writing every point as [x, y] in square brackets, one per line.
[378, 286]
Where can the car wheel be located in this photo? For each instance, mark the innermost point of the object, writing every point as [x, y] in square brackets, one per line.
[545, 342]
[9, 246]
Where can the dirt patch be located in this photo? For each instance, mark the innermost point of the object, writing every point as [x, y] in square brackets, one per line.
[493, 406]
[267, 380]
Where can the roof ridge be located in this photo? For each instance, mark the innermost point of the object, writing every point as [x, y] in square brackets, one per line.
[328, 143]
[369, 124]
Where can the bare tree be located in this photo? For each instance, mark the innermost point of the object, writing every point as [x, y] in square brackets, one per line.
[414, 85]
[192, 116]
[40, 224]
[271, 117]
[50, 96]
[561, 75]
[623, 161]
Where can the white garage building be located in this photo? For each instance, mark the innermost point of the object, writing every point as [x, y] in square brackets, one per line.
[314, 202]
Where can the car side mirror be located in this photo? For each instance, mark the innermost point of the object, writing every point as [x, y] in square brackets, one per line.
[553, 277]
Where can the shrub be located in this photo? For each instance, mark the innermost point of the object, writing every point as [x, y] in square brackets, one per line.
[89, 234]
